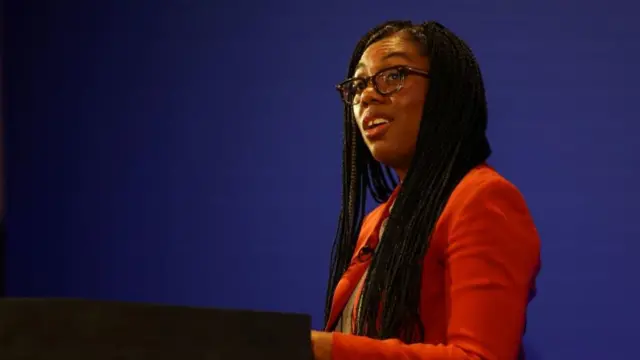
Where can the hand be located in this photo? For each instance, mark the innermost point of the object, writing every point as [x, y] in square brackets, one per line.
[321, 343]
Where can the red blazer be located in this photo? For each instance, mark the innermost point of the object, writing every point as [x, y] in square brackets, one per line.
[478, 275]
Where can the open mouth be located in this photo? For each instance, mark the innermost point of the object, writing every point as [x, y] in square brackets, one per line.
[376, 128]
[375, 123]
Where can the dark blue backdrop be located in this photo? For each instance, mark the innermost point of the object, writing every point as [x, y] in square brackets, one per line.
[188, 152]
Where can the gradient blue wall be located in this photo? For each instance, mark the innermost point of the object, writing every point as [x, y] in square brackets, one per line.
[188, 152]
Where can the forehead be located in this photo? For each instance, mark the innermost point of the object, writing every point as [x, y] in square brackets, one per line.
[392, 50]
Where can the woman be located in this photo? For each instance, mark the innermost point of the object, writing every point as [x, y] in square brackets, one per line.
[445, 266]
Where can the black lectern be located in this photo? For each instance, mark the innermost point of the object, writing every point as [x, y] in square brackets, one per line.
[52, 329]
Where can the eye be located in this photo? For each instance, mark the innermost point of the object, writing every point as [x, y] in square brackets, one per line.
[357, 85]
[353, 88]
[390, 80]
[392, 75]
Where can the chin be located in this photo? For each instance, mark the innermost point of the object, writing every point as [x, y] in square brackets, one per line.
[389, 155]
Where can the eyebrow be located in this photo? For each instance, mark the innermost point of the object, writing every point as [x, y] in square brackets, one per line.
[392, 54]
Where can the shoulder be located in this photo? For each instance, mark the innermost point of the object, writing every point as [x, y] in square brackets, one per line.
[486, 211]
[484, 186]
[490, 207]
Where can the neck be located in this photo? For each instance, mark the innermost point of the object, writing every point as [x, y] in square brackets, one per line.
[402, 173]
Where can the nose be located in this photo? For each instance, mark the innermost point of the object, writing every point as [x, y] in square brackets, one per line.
[370, 95]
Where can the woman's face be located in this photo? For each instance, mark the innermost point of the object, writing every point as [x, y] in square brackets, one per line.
[393, 142]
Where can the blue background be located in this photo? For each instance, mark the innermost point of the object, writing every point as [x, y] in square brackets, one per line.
[188, 152]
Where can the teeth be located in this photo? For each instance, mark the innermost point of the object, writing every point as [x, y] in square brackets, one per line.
[379, 122]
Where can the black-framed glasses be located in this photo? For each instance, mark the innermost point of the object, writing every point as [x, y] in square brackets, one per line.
[385, 82]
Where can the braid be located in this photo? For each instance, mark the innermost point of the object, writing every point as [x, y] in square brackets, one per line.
[355, 182]
[451, 142]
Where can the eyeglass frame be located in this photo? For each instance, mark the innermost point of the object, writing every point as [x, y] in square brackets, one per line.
[405, 71]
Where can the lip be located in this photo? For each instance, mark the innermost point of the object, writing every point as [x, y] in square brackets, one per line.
[369, 118]
[375, 132]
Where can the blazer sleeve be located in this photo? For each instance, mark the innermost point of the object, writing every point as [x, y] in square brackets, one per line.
[492, 257]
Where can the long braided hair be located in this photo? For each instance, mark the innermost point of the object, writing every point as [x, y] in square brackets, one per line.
[451, 142]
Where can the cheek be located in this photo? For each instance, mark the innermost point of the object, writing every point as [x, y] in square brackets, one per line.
[416, 94]
[411, 106]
